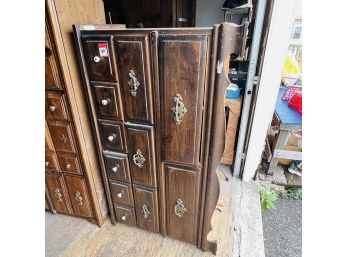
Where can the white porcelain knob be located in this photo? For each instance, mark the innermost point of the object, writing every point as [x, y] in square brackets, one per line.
[52, 108]
[47, 163]
[114, 169]
[96, 59]
[119, 195]
[104, 102]
[123, 217]
[111, 138]
[68, 166]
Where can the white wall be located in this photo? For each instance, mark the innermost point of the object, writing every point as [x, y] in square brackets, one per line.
[208, 12]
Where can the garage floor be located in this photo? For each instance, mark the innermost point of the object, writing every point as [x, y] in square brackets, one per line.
[74, 237]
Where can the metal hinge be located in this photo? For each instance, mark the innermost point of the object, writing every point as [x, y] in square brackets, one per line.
[256, 80]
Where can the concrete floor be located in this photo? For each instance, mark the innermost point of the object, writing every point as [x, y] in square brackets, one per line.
[282, 229]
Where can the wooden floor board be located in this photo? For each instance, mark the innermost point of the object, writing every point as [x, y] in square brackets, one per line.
[73, 237]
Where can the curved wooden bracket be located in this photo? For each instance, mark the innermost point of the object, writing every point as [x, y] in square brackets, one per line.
[231, 39]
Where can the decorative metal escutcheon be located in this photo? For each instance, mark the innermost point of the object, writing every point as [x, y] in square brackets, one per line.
[179, 109]
[138, 159]
[133, 83]
[179, 208]
[78, 198]
[62, 138]
[146, 211]
[58, 194]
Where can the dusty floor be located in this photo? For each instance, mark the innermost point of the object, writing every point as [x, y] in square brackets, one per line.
[282, 229]
[74, 237]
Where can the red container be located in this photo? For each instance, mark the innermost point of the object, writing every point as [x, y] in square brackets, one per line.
[295, 102]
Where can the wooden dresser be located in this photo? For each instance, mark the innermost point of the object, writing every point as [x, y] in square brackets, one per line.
[73, 181]
[156, 98]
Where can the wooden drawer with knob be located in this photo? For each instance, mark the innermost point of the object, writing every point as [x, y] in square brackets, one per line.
[146, 206]
[112, 136]
[108, 101]
[62, 136]
[79, 196]
[141, 154]
[117, 166]
[55, 106]
[69, 163]
[51, 162]
[58, 193]
[125, 215]
[121, 193]
[99, 58]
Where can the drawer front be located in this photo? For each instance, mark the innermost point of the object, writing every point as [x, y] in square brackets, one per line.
[146, 205]
[108, 102]
[62, 136]
[121, 193]
[55, 106]
[79, 196]
[58, 193]
[125, 215]
[134, 72]
[69, 163]
[112, 136]
[98, 58]
[141, 154]
[51, 162]
[117, 166]
[182, 66]
[182, 203]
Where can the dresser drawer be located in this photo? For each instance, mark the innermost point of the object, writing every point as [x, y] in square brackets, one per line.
[98, 58]
[117, 166]
[51, 162]
[112, 136]
[69, 163]
[125, 215]
[55, 106]
[121, 193]
[133, 64]
[146, 206]
[141, 154]
[79, 196]
[108, 101]
[62, 136]
[58, 193]
[182, 69]
[182, 187]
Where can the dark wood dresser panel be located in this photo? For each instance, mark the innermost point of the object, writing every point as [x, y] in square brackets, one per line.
[154, 99]
[72, 173]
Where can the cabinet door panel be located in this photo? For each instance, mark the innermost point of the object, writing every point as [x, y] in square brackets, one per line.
[51, 162]
[146, 208]
[62, 136]
[117, 166]
[108, 101]
[182, 68]
[125, 215]
[134, 71]
[98, 55]
[182, 187]
[69, 163]
[55, 107]
[79, 196]
[121, 193]
[112, 136]
[141, 154]
[58, 193]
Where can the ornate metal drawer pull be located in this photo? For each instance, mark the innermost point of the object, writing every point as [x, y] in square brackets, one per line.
[52, 108]
[78, 198]
[58, 194]
[179, 208]
[68, 166]
[146, 211]
[111, 137]
[115, 168]
[63, 138]
[138, 159]
[133, 83]
[179, 109]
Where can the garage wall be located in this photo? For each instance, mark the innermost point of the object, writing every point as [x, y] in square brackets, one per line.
[208, 12]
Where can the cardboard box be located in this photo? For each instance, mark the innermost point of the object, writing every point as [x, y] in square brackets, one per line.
[234, 106]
